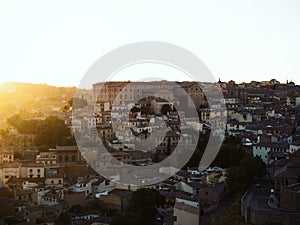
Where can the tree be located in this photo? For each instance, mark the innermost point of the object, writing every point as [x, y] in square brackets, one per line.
[135, 109]
[197, 155]
[240, 177]
[126, 218]
[63, 219]
[165, 108]
[146, 109]
[53, 131]
[141, 209]
[228, 156]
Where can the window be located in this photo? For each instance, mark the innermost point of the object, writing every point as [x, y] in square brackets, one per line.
[66, 158]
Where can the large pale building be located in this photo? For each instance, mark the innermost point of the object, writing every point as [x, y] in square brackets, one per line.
[121, 93]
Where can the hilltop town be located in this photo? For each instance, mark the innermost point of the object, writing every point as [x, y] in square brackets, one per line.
[50, 161]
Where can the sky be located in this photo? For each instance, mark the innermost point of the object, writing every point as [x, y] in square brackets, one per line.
[57, 41]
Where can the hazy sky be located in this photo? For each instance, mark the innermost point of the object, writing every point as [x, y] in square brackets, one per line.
[56, 41]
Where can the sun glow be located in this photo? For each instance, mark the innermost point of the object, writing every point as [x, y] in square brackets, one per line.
[2, 85]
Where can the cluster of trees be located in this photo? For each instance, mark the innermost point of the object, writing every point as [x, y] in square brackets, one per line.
[49, 132]
[146, 109]
[14, 95]
[242, 167]
[240, 177]
[10, 139]
[141, 209]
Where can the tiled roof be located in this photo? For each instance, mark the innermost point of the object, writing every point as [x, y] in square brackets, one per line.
[187, 208]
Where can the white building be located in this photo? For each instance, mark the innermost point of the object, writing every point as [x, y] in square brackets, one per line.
[262, 149]
[294, 146]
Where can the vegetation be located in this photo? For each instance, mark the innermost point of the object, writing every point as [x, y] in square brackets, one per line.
[165, 108]
[146, 109]
[242, 167]
[63, 219]
[49, 132]
[36, 98]
[231, 215]
[10, 139]
[141, 209]
[240, 177]
[135, 109]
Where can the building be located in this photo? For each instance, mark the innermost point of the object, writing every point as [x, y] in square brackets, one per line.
[32, 170]
[68, 154]
[54, 180]
[102, 185]
[186, 212]
[101, 106]
[291, 197]
[262, 149]
[10, 170]
[46, 158]
[6, 156]
[121, 93]
[116, 199]
[123, 157]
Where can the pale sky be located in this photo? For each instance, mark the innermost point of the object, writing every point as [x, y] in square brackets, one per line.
[56, 41]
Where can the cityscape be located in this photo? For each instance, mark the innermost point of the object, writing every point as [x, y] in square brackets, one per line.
[132, 153]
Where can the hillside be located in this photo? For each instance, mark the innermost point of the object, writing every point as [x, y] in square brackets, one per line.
[31, 99]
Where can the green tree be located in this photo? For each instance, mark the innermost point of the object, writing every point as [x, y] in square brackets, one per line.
[229, 155]
[52, 131]
[23, 126]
